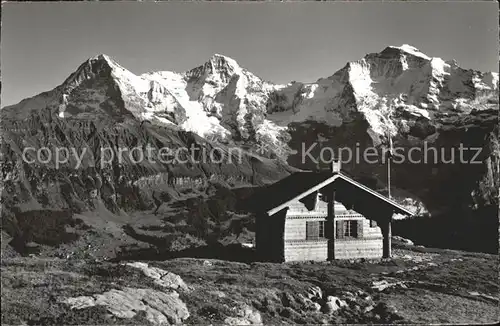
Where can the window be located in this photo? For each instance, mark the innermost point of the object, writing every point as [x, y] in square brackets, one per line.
[321, 229]
[348, 229]
[315, 230]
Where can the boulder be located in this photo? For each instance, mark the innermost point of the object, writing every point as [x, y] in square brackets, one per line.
[160, 307]
[80, 302]
[165, 304]
[218, 293]
[317, 306]
[314, 293]
[384, 284]
[403, 240]
[360, 292]
[236, 321]
[368, 309]
[333, 304]
[350, 297]
[173, 281]
[122, 304]
[308, 304]
[245, 315]
[161, 277]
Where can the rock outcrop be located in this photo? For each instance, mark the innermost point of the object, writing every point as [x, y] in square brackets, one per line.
[161, 308]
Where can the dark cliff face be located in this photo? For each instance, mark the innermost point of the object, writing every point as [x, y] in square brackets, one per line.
[97, 172]
[470, 181]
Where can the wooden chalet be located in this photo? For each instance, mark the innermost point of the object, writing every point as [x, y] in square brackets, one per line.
[322, 216]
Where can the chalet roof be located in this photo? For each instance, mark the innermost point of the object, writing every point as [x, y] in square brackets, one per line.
[278, 195]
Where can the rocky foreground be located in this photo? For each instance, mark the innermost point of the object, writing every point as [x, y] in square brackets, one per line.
[419, 285]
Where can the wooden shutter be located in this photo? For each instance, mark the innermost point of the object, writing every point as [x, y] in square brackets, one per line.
[359, 228]
[312, 230]
[339, 234]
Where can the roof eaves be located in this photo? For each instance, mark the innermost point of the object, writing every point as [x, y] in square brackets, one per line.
[373, 192]
[303, 194]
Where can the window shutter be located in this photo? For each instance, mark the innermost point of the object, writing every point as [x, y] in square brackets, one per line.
[339, 234]
[308, 230]
[312, 230]
[360, 228]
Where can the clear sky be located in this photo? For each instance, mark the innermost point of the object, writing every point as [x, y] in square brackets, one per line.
[42, 43]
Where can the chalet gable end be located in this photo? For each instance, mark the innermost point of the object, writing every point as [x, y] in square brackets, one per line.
[317, 216]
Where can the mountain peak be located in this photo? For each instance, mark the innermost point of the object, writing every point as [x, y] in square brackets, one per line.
[407, 49]
[218, 65]
[221, 56]
[103, 60]
[101, 56]
[98, 65]
[221, 62]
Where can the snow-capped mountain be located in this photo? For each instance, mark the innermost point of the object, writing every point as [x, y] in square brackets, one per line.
[399, 91]
[403, 76]
[223, 99]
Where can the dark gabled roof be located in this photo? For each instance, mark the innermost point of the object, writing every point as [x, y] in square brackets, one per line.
[277, 196]
[286, 189]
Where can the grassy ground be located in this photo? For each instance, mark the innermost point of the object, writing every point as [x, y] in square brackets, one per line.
[440, 286]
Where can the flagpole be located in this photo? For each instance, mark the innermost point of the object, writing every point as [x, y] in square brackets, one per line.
[389, 157]
[386, 227]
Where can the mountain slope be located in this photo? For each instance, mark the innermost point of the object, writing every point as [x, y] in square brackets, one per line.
[399, 91]
[108, 161]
